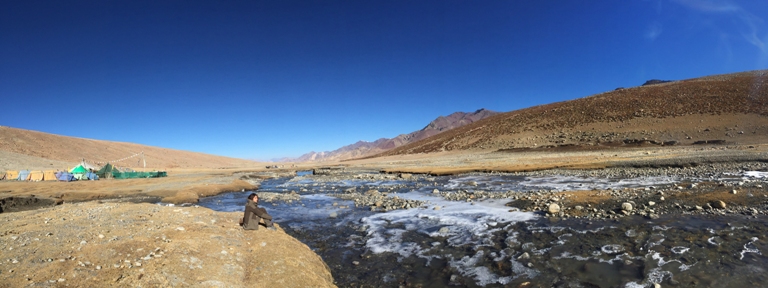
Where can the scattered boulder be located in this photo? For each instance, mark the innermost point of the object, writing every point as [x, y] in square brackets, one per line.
[553, 208]
[718, 204]
[626, 206]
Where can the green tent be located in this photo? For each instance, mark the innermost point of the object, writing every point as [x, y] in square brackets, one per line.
[79, 172]
[78, 169]
[107, 171]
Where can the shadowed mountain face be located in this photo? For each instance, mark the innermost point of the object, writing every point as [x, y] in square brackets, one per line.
[722, 109]
[364, 148]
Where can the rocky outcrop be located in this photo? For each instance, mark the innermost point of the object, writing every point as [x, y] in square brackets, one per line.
[95, 244]
[655, 81]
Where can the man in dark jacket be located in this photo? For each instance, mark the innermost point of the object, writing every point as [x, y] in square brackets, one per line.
[254, 213]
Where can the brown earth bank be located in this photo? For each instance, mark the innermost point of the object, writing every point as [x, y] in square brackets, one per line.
[181, 186]
[96, 244]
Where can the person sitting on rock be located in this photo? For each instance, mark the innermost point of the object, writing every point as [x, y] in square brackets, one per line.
[254, 214]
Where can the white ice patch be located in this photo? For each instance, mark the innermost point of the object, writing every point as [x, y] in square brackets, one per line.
[567, 183]
[487, 183]
[680, 249]
[612, 249]
[467, 225]
[662, 228]
[468, 267]
[756, 174]
[749, 249]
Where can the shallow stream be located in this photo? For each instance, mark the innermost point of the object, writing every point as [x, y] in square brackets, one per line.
[487, 244]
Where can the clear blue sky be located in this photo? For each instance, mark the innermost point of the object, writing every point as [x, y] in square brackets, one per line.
[266, 79]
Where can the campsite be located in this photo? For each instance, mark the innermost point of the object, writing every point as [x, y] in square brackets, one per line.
[83, 171]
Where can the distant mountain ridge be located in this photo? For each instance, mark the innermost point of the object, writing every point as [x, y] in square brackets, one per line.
[365, 148]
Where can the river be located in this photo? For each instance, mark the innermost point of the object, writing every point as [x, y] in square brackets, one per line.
[484, 243]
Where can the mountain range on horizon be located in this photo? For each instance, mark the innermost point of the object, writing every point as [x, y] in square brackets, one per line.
[366, 148]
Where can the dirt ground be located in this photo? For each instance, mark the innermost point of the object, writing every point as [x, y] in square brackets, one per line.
[93, 244]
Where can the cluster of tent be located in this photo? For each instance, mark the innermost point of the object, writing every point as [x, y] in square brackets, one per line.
[84, 171]
[77, 173]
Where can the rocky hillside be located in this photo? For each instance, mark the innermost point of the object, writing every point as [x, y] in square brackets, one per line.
[722, 109]
[364, 148]
[21, 148]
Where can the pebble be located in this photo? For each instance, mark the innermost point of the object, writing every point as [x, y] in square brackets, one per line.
[333, 215]
[355, 263]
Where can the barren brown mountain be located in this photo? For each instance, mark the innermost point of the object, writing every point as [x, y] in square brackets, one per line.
[25, 149]
[364, 148]
[722, 109]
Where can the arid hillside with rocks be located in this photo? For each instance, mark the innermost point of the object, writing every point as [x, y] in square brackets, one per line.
[26, 149]
[722, 109]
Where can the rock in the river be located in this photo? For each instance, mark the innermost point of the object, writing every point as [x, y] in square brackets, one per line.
[333, 215]
[626, 206]
[718, 204]
[553, 208]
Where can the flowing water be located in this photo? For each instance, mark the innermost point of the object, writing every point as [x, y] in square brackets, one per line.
[485, 244]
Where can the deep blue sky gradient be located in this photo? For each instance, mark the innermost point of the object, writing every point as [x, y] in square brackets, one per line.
[266, 79]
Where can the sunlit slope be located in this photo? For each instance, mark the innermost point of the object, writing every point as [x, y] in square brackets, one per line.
[730, 108]
[59, 148]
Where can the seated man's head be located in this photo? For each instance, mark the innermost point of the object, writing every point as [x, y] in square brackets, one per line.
[253, 197]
